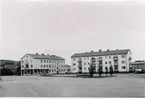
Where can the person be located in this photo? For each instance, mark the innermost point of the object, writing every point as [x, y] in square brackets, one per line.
[106, 71]
[111, 70]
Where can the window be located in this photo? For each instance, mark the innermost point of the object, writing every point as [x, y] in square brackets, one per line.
[41, 65]
[106, 57]
[74, 64]
[88, 63]
[22, 66]
[41, 61]
[106, 62]
[49, 65]
[122, 62]
[122, 56]
[31, 66]
[109, 62]
[44, 61]
[84, 63]
[110, 57]
[50, 61]
[47, 61]
[44, 66]
[84, 68]
[123, 67]
[22, 61]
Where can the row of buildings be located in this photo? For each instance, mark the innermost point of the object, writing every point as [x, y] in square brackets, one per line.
[121, 61]
[32, 64]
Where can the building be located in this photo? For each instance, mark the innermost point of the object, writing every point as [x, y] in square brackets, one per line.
[39, 63]
[68, 69]
[138, 65]
[119, 59]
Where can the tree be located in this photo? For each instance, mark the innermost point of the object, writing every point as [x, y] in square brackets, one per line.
[6, 72]
[92, 68]
[18, 72]
[111, 70]
[100, 71]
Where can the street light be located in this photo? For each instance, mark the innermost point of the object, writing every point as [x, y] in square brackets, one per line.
[0, 71]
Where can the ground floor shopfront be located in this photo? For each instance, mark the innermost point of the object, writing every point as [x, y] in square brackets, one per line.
[34, 71]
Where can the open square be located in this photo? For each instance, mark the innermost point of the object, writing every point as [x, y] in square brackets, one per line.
[120, 85]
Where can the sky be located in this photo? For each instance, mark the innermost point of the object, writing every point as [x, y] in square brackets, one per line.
[67, 27]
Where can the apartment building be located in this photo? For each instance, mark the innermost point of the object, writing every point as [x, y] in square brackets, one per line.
[119, 59]
[32, 64]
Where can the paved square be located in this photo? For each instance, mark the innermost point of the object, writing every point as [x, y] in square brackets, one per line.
[121, 85]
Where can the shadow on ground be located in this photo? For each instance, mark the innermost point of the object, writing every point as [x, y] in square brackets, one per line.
[83, 76]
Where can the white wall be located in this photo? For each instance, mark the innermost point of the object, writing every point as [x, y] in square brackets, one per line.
[120, 64]
[26, 59]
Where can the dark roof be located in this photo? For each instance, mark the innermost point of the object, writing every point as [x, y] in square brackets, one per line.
[102, 53]
[39, 56]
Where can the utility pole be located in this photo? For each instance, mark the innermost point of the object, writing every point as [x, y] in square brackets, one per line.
[0, 71]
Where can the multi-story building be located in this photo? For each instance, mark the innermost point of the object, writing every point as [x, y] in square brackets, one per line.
[37, 64]
[138, 65]
[119, 59]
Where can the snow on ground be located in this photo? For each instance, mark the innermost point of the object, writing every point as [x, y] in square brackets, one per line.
[120, 85]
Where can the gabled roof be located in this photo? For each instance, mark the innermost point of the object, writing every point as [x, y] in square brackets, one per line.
[39, 56]
[102, 53]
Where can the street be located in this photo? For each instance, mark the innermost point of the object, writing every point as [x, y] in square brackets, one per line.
[121, 85]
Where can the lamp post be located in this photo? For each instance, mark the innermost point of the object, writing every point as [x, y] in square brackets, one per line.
[0, 71]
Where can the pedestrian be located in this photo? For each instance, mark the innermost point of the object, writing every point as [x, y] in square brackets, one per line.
[111, 70]
[106, 70]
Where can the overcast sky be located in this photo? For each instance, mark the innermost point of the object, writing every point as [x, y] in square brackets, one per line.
[65, 28]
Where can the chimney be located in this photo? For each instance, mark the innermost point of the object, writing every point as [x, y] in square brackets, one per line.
[107, 49]
[36, 53]
[42, 53]
[100, 50]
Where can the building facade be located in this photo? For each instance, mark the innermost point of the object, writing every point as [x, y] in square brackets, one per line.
[119, 59]
[139, 64]
[32, 64]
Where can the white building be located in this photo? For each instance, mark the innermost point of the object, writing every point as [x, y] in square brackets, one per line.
[138, 65]
[119, 59]
[36, 64]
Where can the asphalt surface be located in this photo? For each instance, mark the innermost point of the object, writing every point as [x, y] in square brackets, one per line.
[121, 85]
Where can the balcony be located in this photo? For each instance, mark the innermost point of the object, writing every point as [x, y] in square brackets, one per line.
[115, 63]
[115, 58]
[100, 58]
[80, 60]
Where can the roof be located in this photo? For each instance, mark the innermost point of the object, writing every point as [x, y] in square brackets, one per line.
[102, 53]
[138, 62]
[39, 56]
